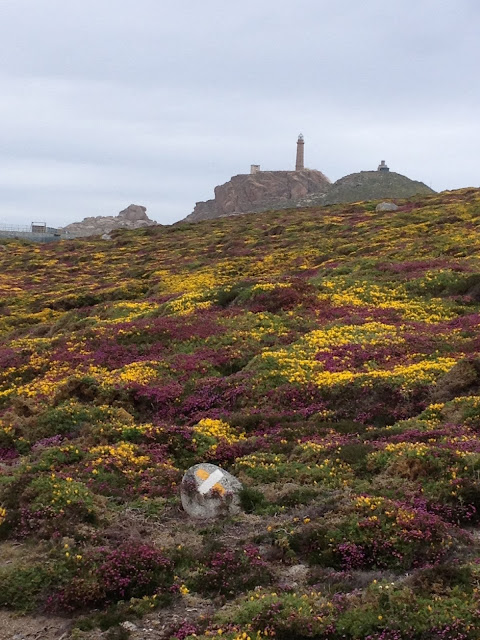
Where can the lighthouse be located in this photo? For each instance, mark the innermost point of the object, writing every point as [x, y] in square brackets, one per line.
[299, 162]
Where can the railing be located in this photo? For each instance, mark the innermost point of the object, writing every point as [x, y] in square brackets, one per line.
[24, 232]
[16, 228]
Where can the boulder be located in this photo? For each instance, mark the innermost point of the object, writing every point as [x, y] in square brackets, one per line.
[134, 213]
[209, 492]
[386, 206]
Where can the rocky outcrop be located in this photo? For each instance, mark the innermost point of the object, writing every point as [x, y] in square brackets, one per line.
[266, 190]
[374, 185]
[259, 192]
[133, 217]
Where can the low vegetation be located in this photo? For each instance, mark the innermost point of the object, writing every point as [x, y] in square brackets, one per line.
[327, 357]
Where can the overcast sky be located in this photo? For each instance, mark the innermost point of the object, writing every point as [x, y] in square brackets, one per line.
[105, 103]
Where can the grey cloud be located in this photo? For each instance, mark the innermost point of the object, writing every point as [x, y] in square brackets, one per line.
[111, 102]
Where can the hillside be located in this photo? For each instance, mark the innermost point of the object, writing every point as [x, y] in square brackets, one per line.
[327, 357]
[374, 185]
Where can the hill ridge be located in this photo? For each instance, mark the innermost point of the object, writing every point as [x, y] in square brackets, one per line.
[267, 190]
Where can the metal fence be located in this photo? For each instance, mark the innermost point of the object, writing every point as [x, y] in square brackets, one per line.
[15, 228]
[31, 233]
[24, 232]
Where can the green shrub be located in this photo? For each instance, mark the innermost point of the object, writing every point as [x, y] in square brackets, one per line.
[252, 500]
[67, 417]
[227, 295]
[24, 589]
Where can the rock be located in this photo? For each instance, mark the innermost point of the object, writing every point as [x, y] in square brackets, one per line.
[249, 193]
[386, 206]
[134, 213]
[294, 577]
[128, 626]
[208, 492]
[106, 236]
[133, 217]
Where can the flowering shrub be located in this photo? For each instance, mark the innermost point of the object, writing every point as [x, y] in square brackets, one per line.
[133, 571]
[105, 575]
[47, 505]
[7, 437]
[61, 495]
[228, 572]
[377, 533]
[209, 433]
[269, 467]
[383, 611]
[411, 460]
[70, 416]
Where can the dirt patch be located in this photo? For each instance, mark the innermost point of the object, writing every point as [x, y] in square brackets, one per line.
[17, 627]
[159, 625]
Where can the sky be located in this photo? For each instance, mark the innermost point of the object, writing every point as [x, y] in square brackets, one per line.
[105, 103]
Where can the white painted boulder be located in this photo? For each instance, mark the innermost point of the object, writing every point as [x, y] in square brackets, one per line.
[208, 492]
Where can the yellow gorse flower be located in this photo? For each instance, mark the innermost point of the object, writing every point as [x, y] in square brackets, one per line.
[218, 430]
[123, 455]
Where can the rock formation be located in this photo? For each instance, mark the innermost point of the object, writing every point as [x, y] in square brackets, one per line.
[133, 217]
[248, 193]
[264, 190]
